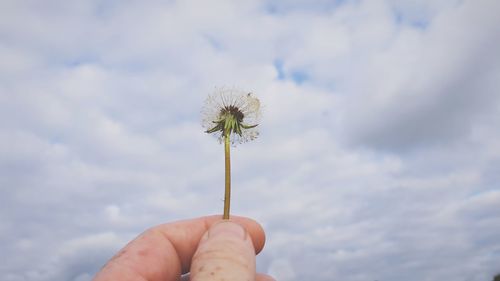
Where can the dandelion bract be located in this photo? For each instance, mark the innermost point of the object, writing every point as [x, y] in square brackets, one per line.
[233, 111]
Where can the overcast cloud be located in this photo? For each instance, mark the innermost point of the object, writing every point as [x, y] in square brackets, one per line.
[379, 155]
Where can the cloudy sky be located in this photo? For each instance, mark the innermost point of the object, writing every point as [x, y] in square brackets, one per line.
[379, 154]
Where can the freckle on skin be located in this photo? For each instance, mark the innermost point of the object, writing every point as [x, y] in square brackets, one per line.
[218, 268]
[143, 253]
[212, 273]
[201, 268]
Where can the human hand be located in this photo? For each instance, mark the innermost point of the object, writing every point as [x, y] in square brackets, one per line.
[208, 247]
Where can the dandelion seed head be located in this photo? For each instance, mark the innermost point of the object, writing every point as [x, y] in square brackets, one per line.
[225, 103]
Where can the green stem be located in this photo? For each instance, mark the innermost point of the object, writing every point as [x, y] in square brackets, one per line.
[227, 193]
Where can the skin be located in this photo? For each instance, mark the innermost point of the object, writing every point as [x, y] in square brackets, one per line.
[208, 247]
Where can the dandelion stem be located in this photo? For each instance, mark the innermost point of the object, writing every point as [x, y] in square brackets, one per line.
[227, 193]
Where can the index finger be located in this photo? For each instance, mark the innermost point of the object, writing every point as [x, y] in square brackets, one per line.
[164, 252]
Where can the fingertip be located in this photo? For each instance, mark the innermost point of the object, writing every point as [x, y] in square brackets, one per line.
[227, 228]
[255, 230]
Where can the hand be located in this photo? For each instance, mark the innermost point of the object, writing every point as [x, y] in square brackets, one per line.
[207, 247]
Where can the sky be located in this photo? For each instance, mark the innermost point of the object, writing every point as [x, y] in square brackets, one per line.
[379, 149]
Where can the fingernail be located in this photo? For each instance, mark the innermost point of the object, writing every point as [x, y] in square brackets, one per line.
[227, 228]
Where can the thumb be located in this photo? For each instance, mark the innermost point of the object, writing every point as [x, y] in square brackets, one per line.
[225, 252]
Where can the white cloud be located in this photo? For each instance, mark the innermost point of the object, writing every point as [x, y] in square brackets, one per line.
[281, 269]
[436, 84]
[378, 150]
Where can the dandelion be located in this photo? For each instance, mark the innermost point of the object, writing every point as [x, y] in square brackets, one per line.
[233, 116]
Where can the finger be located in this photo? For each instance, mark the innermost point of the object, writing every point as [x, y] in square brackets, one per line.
[225, 252]
[165, 251]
